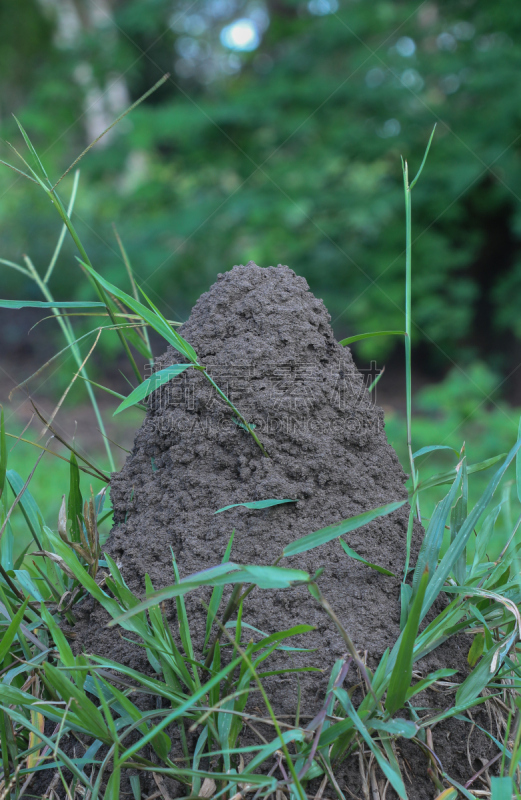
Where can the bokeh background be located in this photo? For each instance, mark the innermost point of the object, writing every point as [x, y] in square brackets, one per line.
[277, 138]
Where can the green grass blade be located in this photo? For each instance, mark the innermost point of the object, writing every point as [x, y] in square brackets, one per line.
[431, 449]
[483, 539]
[158, 323]
[457, 518]
[352, 554]
[217, 593]
[19, 171]
[312, 540]
[190, 352]
[31, 148]
[257, 504]
[14, 304]
[150, 385]
[424, 158]
[351, 339]
[3, 452]
[264, 577]
[9, 635]
[184, 626]
[63, 232]
[75, 500]
[402, 672]
[518, 466]
[431, 545]
[502, 788]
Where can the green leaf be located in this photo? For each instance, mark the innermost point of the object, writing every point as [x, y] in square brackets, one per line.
[272, 577]
[265, 577]
[256, 504]
[433, 539]
[3, 452]
[135, 785]
[476, 649]
[324, 535]
[75, 500]
[297, 630]
[27, 583]
[405, 599]
[483, 538]
[395, 727]
[54, 304]
[518, 465]
[31, 148]
[7, 548]
[351, 339]
[9, 635]
[217, 593]
[148, 386]
[502, 788]
[401, 676]
[350, 552]
[433, 447]
[62, 645]
[155, 320]
[183, 345]
[457, 518]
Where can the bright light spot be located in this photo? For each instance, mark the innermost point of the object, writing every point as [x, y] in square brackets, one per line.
[406, 46]
[375, 77]
[240, 35]
[450, 84]
[391, 127]
[322, 7]
[412, 79]
[446, 41]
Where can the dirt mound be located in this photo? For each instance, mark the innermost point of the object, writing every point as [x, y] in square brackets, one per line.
[269, 345]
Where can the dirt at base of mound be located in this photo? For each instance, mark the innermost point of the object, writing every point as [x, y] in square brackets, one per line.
[267, 342]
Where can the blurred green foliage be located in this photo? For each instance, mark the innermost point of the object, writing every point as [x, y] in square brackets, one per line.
[289, 152]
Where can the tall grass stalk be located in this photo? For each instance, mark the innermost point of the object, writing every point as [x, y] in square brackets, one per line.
[408, 187]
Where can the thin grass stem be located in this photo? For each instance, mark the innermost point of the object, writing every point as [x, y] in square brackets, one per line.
[69, 337]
